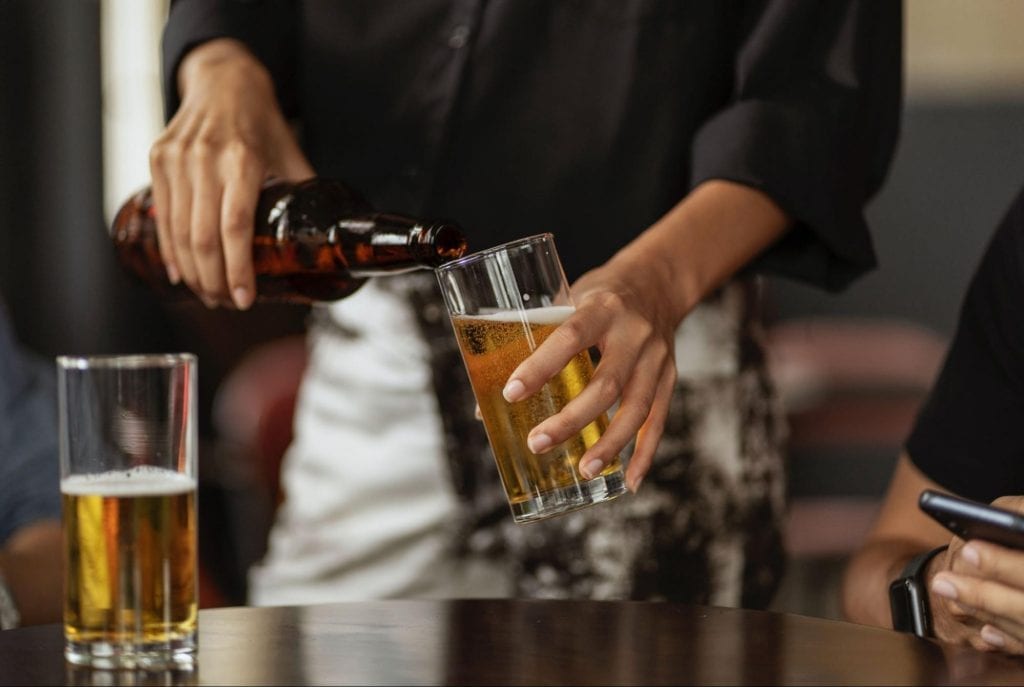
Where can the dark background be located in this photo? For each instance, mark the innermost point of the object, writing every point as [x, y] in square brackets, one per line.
[957, 167]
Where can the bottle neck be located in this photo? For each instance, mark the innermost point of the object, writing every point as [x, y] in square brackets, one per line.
[393, 243]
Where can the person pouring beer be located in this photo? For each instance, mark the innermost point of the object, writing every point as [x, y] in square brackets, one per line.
[675, 150]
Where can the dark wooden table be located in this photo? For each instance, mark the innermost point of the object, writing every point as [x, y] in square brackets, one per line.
[526, 642]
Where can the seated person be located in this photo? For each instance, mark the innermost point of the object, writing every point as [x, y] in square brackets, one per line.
[968, 440]
[30, 531]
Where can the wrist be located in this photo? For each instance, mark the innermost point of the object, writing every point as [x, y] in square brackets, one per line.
[218, 56]
[711, 234]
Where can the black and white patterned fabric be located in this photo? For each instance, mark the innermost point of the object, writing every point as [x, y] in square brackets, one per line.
[705, 527]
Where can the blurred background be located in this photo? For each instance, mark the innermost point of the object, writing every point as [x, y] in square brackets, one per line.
[81, 106]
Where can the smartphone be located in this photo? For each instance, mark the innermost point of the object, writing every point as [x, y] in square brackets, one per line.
[973, 520]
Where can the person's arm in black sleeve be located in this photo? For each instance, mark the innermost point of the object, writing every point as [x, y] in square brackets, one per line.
[268, 28]
[968, 439]
[969, 436]
[779, 181]
[813, 124]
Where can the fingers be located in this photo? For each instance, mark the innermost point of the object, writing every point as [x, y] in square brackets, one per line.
[207, 252]
[578, 333]
[605, 388]
[180, 225]
[993, 603]
[161, 206]
[637, 371]
[996, 638]
[638, 394]
[991, 561]
[239, 208]
[650, 433]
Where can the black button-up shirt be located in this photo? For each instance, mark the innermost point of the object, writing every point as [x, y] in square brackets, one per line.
[586, 118]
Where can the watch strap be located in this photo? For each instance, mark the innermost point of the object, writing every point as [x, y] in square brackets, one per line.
[908, 596]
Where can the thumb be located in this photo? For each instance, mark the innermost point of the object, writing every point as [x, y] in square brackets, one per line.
[287, 161]
[293, 165]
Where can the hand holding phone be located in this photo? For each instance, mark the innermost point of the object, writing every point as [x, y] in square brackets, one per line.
[969, 519]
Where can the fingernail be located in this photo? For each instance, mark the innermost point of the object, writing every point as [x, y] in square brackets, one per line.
[513, 391]
[478, 414]
[241, 296]
[993, 636]
[591, 468]
[970, 554]
[172, 274]
[944, 588]
[636, 484]
[539, 443]
[208, 302]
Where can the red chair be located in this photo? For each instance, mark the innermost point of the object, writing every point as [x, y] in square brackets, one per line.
[255, 404]
[252, 420]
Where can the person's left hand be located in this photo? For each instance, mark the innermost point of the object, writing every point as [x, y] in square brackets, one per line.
[621, 310]
[984, 588]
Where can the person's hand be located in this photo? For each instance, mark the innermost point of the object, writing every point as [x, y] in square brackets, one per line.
[978, 592]
[227, 137]
[618, 311]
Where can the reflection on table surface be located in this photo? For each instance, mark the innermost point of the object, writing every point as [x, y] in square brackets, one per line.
[526, 642]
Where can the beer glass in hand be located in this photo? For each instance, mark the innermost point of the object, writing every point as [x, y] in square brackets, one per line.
[128, 484]
[504, 302]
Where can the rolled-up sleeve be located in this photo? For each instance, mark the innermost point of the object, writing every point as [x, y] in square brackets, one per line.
[266, 27]
[813, 123]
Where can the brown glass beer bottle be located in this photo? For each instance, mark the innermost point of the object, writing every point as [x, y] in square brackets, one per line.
[315, 240]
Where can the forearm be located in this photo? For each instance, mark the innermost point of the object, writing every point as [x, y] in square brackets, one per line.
[32, 565]
[865, 589]
[704, 240]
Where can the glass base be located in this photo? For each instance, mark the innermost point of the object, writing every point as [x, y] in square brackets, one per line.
[566, 499]
[178, 653]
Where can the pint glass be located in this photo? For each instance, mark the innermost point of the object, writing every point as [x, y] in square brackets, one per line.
[503, 303]
[128, 486]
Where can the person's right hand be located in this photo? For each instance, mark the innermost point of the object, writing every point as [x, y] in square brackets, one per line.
[208, 165]
[978, 592]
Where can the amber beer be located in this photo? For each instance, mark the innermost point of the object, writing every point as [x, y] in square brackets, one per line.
[492, 347]
[130, 568]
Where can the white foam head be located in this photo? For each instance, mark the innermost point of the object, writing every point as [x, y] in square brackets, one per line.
[143, 480]
[548, 314]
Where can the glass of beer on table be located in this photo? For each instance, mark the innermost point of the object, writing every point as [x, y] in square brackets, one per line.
[503, 303]
[128, 486]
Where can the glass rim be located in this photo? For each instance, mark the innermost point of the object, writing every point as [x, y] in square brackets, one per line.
[131, 361]
[487, 252]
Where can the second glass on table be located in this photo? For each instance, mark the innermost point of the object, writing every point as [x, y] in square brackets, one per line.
[128, 481]
[504, 302]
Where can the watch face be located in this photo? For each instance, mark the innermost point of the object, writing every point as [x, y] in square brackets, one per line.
[901, 605]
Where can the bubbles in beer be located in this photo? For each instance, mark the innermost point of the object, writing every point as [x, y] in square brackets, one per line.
[130, 558]
[493, 344]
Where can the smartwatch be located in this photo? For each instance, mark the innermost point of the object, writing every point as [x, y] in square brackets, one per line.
[908, 596]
